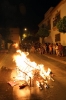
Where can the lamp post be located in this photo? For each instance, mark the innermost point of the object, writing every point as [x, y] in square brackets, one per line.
[26, 33]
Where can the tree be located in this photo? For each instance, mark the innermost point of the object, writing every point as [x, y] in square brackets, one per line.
[43, 31]
[31, 39]
[61, 25]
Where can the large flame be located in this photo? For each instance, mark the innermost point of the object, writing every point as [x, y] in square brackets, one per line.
[25, 69]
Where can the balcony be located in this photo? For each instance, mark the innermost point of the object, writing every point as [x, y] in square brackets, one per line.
[56, 19]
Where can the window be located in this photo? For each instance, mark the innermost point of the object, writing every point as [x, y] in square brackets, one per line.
[57, 37]
[56, 19]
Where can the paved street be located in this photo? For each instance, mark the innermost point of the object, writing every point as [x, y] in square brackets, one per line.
[6, 59]
[56, 58]
[57, 90]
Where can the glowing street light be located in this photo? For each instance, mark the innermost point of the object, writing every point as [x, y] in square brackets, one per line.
[24, 35]
[25, 29]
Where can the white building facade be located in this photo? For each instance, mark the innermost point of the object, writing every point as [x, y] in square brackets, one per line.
[51, 17]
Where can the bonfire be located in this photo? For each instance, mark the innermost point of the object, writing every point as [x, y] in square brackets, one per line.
[31, 72]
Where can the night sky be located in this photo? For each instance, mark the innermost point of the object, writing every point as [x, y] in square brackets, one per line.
[24, 13]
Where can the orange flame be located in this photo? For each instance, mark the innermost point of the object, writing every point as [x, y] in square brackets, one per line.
[26, 69]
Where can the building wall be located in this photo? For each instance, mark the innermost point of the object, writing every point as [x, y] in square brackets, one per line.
[54, 30]
[51, 38]
[63, 39]
[14, 35]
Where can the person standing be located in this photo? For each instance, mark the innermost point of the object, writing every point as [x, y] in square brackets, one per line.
[60, 48]
[57, 51]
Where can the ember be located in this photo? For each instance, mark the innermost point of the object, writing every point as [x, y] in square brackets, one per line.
[31, 72]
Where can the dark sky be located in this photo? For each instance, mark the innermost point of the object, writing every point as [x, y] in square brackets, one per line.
[24, 13]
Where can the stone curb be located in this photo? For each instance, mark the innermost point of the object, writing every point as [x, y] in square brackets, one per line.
[61, 61]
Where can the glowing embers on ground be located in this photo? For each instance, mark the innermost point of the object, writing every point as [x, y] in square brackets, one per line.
[25, 69]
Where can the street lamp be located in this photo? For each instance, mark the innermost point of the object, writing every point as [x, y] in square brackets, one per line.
[25, 29]
[24, 35]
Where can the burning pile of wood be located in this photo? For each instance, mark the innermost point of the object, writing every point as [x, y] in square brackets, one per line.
[31, 72]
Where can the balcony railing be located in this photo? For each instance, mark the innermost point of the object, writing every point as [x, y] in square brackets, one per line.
[55, 22]
[57, 18]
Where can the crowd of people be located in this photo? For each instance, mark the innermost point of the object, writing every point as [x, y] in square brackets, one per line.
[56, 49]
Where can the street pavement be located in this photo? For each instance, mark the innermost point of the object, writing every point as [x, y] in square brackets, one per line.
[34, 94]
[51, 56]
[56, 58]
[4, 60]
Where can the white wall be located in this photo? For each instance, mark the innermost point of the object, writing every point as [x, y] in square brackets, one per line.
[54, 30]
[51, 38]
[63, 39]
